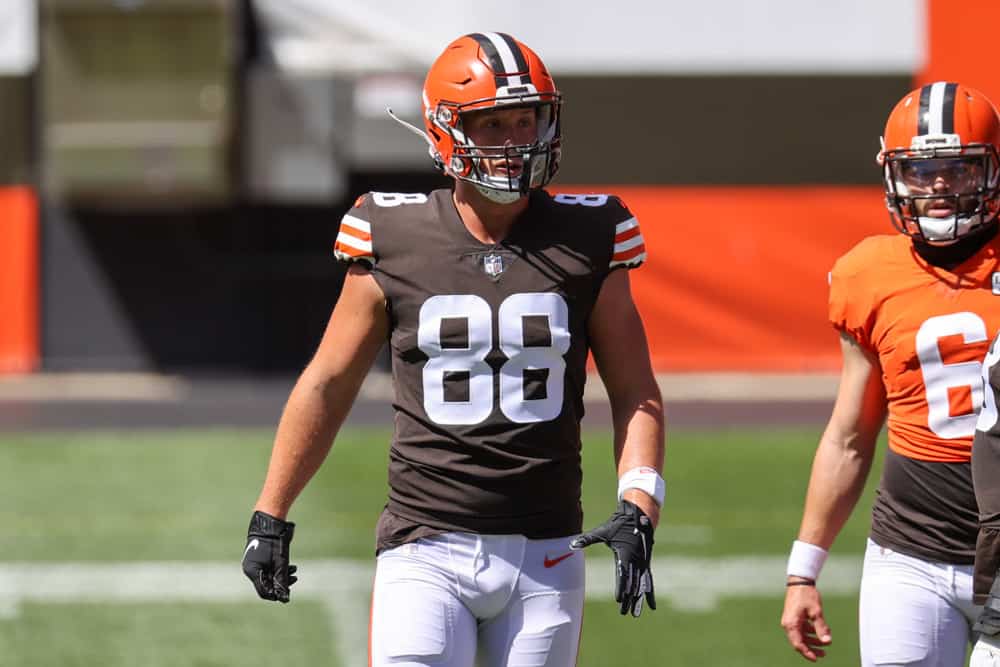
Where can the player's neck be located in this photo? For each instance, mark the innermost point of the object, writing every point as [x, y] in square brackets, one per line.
[949, 256]
[487, 221]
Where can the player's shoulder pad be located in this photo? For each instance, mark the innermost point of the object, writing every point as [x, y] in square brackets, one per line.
[372, 210]
[628, 246]
[596, 206]
[861, 279]
[871, 254]
[354, 240]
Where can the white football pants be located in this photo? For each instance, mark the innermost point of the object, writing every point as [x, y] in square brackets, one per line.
[452, 599]
[986, 652]
[914, 612]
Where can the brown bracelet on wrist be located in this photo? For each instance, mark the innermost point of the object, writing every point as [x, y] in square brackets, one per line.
[804, 582]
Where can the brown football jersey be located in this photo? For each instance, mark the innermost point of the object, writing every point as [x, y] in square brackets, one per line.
[986, 476]
[489, 350]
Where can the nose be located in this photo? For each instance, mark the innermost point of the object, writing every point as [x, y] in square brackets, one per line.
[521, 134]
[941, 184]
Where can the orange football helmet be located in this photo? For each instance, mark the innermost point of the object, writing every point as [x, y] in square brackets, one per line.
[940, 162]
[485, 71]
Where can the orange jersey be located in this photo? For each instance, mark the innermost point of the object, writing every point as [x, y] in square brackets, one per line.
[930, 329]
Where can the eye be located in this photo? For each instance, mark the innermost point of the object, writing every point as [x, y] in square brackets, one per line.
[913, 172]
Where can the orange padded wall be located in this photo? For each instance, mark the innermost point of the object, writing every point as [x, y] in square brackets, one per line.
[19, 289]
[960, 45]
[736, 277]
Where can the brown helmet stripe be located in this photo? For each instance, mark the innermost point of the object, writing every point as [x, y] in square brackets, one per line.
[948, 109]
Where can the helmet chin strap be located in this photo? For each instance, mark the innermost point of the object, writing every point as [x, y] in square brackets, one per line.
[947, 230]
[501, 192]
[498, 196]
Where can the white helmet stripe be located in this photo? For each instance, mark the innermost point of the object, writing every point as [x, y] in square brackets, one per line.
[935, 111]
[507, 57]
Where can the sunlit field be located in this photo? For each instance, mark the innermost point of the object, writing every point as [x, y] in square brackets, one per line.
[123, 549]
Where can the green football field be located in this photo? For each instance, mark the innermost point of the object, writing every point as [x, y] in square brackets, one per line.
[123, 549]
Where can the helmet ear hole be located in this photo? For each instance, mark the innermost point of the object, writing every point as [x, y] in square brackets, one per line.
[459, 166]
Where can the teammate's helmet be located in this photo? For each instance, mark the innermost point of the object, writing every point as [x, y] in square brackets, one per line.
[940, 162]
[485, 71]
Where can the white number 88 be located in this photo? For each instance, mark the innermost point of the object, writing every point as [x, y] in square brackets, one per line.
[471, 359]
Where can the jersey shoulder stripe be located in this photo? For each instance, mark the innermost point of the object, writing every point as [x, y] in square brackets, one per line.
[629, 247]
[354, 241]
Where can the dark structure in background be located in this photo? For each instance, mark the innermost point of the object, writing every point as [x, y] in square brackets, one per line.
[232, 288]
[16, 130]
[192, 190]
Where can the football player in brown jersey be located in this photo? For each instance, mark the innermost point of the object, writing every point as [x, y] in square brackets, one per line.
[490, 296]
[915, 312]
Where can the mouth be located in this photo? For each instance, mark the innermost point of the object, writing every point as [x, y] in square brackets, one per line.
[941, 208]
[509, 170]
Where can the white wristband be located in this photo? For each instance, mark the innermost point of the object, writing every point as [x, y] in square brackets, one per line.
[645, 479]
[805, 560]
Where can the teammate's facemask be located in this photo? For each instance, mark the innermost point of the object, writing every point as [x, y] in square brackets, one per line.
[940, 163]
[483, 71]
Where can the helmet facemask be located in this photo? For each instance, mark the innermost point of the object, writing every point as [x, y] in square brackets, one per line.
[503, 173]
[939, 190]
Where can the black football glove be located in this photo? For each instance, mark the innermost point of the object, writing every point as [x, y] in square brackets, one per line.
[988, 622]
[265, 559]
[629, 535]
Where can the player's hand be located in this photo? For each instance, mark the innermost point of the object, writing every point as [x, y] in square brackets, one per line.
[265, 559]
[629, 535]
[803, 622]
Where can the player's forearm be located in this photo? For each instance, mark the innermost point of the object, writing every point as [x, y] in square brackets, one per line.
[839, 471]
[312, 416]
[639, 443]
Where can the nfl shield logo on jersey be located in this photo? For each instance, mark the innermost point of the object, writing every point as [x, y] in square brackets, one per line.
[493, 266]
[996, 282]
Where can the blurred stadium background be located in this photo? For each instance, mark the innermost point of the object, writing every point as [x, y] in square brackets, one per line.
[172, 173]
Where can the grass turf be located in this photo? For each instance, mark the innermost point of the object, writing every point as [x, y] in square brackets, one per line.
[186, 495]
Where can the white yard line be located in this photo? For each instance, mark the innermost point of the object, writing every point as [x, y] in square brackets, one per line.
[344, 586]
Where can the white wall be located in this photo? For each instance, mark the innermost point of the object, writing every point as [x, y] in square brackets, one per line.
[18, 37]
[614, 36]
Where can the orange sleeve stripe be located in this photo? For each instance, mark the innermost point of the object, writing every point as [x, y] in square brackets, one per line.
[627, 234]
[355, 233]
[348, 250]
[629, 254]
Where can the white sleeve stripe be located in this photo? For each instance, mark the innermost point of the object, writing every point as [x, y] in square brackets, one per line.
[357, 223]
[638, 259]
[625, 226]
[628, 245]
[348, 240]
